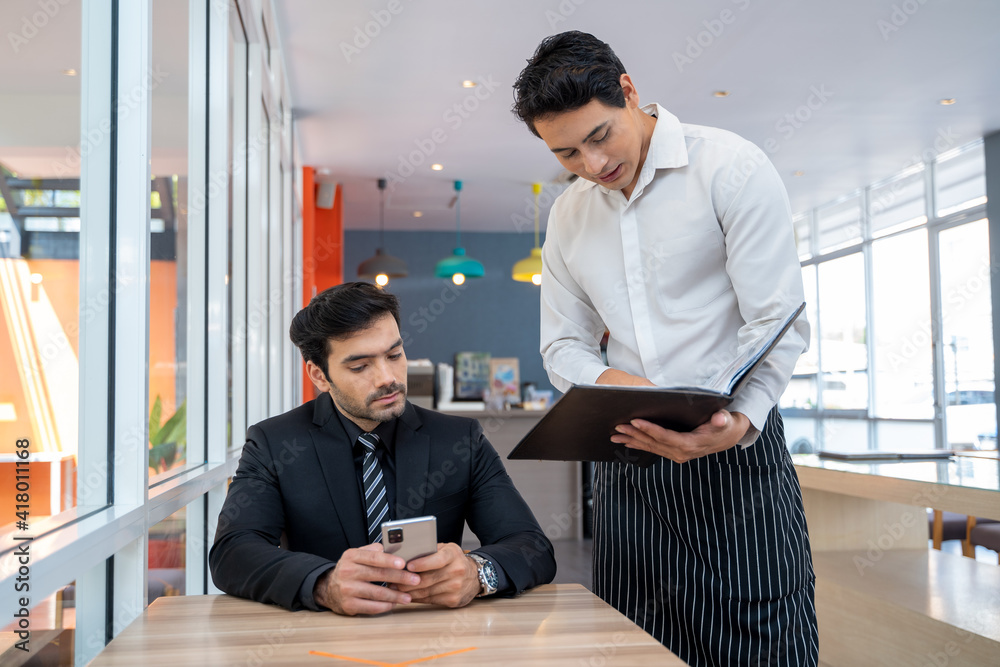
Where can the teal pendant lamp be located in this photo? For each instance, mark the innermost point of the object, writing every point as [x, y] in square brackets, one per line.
[382, 266]
[458, 266]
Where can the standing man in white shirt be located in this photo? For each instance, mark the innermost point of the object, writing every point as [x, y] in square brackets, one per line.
[677, 240]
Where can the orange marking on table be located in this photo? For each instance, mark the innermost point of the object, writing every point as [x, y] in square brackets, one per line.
[391, 664]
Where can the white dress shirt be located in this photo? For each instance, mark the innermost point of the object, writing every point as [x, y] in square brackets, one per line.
[684, 274]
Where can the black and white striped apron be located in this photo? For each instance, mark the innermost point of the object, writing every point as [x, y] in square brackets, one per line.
[711, 556]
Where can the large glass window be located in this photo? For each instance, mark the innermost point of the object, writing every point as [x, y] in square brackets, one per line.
[79, 83]
[40, 158]
[898, 204]
[960, 180]
[967, 336]
[902, 351]
[237, 224]
[839, 224]
[802, 225]
[166, 551]
[844, 435]
[169, 239]
[801, 391]
[843, 330]
[904, 379]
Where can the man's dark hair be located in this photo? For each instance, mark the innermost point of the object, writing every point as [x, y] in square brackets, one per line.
[567, 71]
[337, 313]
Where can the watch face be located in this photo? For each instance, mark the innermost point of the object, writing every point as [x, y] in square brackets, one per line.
[491, 575]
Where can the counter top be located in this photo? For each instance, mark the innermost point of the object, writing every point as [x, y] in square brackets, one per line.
[963, 484]
[497, 414]
[964, 471]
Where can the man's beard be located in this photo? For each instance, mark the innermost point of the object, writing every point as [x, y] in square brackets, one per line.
[369, 411]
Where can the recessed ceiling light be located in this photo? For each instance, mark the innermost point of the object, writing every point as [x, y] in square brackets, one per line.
[948, 101]
[418, 214]
[70, 72]
[721, 93]
[437, 167]
[798, 173]
[469, 84]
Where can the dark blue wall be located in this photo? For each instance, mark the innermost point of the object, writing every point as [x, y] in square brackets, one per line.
[492, 314]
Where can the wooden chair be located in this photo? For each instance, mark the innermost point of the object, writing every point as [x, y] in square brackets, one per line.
[985, 534]
[948, 526]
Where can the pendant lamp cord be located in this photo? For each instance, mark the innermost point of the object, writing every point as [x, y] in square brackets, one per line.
[458, 214]
[536, 216]
[381, 211]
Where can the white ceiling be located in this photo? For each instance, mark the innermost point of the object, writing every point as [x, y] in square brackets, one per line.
[884, 64]
[359, 119]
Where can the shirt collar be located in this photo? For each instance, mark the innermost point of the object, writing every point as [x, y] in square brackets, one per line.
[667, 147]
[386, 431]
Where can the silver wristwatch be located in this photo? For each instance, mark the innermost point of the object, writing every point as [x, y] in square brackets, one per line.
[487, 575]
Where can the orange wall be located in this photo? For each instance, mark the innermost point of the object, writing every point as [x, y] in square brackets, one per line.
[60, 279]
[322, 249]
[162, 341]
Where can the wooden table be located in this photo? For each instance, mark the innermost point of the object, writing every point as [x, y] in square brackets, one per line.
[883, 597]
[557, 624]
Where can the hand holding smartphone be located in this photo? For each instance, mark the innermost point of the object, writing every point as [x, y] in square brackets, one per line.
[410, 538]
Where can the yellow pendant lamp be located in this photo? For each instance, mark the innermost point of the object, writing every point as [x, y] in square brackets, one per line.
[529, 269]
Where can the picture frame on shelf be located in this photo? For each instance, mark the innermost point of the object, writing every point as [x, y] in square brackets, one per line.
[472, 375]
[505, 379]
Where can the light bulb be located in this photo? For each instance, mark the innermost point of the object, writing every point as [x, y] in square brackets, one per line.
[537, 279]
[36, 279]
[381, 280]
[458, 278]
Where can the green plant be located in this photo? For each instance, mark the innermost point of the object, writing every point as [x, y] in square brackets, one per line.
[167, 443]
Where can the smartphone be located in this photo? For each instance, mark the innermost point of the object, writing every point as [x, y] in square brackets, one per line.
[410, 538]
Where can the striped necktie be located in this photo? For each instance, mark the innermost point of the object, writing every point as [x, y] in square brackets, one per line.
[376, 502]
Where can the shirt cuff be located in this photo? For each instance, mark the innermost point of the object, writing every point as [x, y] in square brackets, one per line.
[306, 599]
[750, 437]
[756, 406]
[590, 372]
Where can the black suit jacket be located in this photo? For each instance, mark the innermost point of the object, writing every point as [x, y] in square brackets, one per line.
[293, 505]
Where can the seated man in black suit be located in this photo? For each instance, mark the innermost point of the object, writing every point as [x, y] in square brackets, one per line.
[295, 529]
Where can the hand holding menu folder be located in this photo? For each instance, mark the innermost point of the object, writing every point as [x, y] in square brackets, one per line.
[580, 425]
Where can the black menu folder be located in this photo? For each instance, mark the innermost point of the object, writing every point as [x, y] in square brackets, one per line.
[580, 425]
